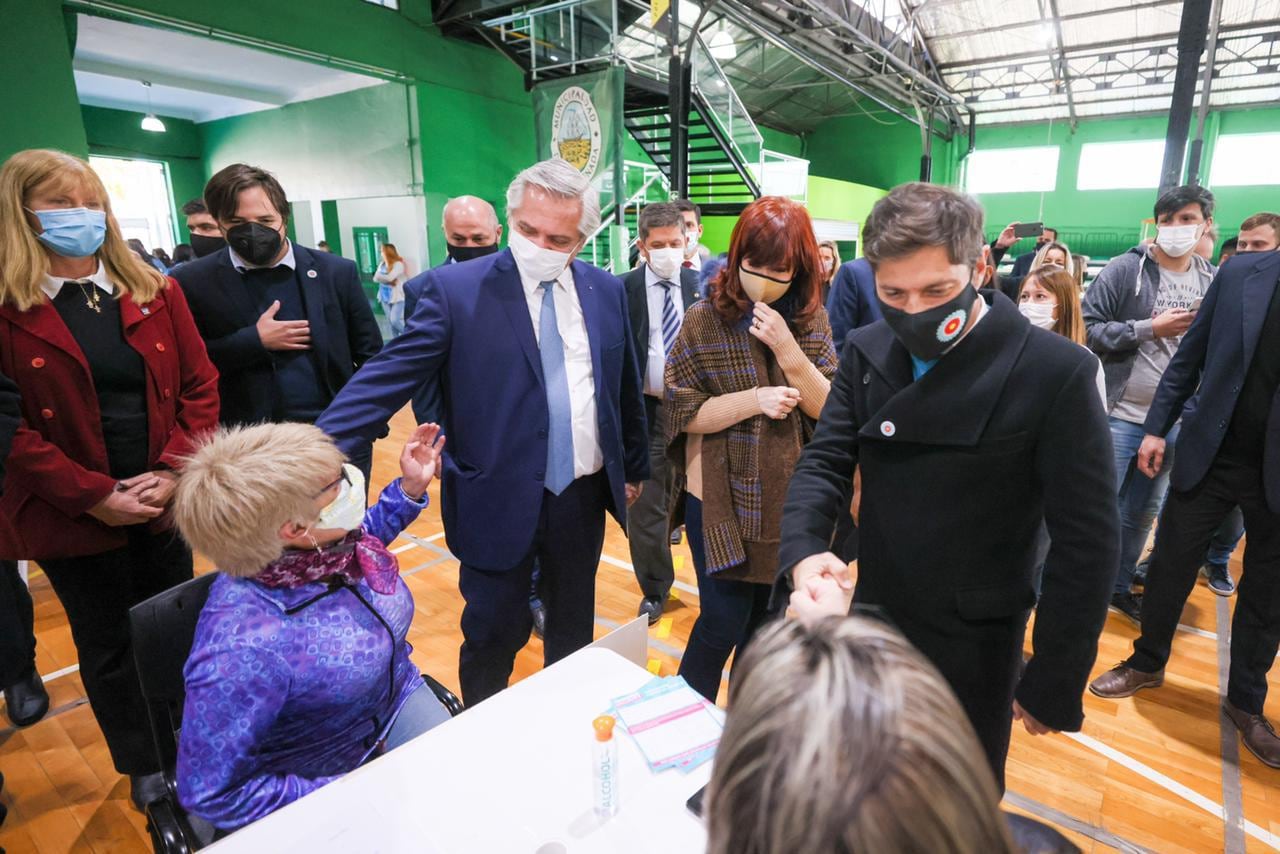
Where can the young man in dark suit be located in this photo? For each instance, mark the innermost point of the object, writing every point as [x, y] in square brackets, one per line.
[956, 408]
[285, 326]
[658, 293]
[541, 393]
[1224, 383]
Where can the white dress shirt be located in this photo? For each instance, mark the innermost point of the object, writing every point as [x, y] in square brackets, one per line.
[657, 358]
[52, 286]
[587, 456]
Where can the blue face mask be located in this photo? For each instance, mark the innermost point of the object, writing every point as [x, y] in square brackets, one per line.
[72, 232]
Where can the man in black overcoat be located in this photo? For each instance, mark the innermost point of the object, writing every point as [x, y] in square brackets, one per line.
[972, 429]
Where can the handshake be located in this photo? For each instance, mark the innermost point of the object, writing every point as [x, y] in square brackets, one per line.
[823, 588]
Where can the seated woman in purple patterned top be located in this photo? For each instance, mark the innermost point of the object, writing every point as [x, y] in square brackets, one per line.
[299, 670]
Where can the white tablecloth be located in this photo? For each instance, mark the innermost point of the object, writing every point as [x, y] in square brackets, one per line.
[511, 775]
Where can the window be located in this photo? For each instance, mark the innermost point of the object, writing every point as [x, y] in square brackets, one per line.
[1245, 159]
[140, 198]
[390, 4]
[1012, 170]
[1120, 165]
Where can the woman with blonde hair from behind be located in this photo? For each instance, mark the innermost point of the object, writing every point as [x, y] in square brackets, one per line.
[842, 739]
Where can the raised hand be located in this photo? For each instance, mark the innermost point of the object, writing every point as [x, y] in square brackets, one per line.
[419, 459]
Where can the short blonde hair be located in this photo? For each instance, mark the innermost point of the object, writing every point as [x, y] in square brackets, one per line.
[241, 484]
[840, 737]
[25, 260]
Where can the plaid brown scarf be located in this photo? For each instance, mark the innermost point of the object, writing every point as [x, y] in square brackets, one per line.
[747, 467]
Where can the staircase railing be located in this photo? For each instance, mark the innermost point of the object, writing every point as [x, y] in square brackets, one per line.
[597, 250]
[717, 92]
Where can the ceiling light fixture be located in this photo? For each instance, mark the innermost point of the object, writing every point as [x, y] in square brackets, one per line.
[151, 122]
[721, 44]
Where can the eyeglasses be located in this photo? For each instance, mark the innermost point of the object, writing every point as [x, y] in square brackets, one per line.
[342, 478]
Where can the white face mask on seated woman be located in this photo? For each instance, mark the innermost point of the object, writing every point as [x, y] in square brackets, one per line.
[346, 511]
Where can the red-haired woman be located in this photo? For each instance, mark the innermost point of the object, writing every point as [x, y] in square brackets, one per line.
[745, 380]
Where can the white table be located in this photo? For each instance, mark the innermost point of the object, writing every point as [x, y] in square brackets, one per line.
[511, 775]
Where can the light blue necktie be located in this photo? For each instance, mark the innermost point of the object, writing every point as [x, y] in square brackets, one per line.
[556, 379]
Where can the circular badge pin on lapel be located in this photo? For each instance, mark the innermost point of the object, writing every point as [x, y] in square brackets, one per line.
[887, 428]
[311, 274]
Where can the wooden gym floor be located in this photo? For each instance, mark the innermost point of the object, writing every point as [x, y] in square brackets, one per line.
[1159, 772]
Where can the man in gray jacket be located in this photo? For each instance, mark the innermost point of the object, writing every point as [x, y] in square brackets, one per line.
[1135, 314]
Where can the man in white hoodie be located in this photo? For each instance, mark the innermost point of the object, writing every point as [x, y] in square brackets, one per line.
[1135, 313]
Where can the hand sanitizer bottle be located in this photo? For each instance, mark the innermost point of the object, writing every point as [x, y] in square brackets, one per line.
[604, 776]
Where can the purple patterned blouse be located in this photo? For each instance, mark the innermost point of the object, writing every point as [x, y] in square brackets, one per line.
[280, 704]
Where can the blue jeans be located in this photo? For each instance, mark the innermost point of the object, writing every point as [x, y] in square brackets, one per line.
[1224, 542]
[729, 614]
[1139, 497]
[395, 316]
[421, 712]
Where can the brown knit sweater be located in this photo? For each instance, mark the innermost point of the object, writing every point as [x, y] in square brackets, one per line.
[746, 466]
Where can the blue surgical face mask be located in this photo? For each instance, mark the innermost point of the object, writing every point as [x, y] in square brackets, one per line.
[72, 232]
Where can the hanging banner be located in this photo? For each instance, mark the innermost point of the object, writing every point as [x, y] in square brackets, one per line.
[579, 119]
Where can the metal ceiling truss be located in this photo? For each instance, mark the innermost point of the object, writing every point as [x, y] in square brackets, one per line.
[842, 40]
[1097, 72]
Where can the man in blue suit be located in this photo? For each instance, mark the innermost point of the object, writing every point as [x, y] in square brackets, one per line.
[852, 302]
[541, 393]
[286, 326]
[471, 230]
[1224, 382]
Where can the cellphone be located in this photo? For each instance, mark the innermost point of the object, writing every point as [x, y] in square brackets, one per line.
[1028, 229]
[694, 804]
[1195, 306]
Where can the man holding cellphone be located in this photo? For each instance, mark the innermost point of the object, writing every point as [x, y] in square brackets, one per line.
[1135, 313]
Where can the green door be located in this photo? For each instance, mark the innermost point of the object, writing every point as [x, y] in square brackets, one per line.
[369, 255]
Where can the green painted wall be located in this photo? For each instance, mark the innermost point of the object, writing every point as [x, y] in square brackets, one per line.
[1089, 215]
[342, 146]
[119, 133]
[403, 41]
[471, 145]
[872, 151]
[38, 106]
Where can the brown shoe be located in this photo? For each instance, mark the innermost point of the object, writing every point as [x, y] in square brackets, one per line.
[1257, 734]
[1123, 681]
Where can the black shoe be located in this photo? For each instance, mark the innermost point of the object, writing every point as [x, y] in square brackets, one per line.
[26, 701]
[651, 607]
[1128, 604]
[539, 612]
[1220, 580]
[145, 788]
[677, 535]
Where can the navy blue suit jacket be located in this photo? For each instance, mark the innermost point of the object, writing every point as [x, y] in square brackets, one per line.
[852, 302]
[426, 400]
[1203, 381]
[472, 332]
[344, 333]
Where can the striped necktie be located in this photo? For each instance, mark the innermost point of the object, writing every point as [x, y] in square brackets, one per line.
[670, 320]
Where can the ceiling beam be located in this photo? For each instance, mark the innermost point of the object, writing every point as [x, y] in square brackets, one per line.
[1064, 73]
[1074, 16]
[1137, 43]
[178, 81]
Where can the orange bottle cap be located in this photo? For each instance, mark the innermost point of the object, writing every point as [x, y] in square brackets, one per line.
[604, 727]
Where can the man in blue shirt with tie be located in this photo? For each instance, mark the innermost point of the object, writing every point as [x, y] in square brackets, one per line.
[541, 391]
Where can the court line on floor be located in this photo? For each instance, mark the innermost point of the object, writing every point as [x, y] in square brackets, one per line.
[1070, 822]
[1173, 786]
[1232, 797]
[8, 731]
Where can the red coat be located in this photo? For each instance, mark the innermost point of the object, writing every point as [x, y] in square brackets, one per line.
[57, 469]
